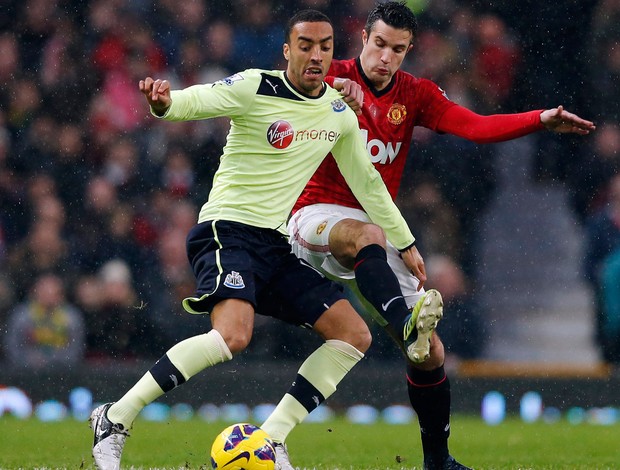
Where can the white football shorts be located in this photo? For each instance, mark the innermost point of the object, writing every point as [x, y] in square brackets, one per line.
[309, 230]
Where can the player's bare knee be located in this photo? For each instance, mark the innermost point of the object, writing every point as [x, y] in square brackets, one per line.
[371, 234]
[358, 336]
[363, 341]
[237, 341]
[359, 339]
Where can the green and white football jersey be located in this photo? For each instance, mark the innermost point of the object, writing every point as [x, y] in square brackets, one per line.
[277, 140]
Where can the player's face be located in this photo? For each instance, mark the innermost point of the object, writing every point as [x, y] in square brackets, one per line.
[309, 55]
[383, 52]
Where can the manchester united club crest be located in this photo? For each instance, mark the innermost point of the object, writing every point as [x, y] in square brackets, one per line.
[321, 227]
[397, 113]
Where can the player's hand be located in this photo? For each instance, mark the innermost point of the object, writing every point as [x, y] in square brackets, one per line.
[561, 121]
[413, 260]
[351, 92]
[157, 93]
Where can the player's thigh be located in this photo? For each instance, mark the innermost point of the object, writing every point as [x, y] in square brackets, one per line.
[309, 231]
[298, 293]
[342, 322]
[349, 236]
[222, 265]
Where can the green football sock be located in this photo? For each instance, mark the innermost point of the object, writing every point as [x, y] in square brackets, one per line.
[182, 361]
[316, 380]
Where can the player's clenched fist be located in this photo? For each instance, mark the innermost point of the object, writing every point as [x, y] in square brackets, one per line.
[157, 93]
[351, 92]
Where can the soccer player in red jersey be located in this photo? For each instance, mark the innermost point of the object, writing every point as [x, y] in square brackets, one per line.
[331, 231]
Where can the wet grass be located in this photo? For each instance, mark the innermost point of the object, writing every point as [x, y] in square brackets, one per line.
[31, 444]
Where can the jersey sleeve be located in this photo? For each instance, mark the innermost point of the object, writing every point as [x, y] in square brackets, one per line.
[231, 96]
[368, 186]
[464, 123]
[430, 100]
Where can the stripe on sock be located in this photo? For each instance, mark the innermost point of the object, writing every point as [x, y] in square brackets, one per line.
[425, 378]
[166, 374]
[306, 393]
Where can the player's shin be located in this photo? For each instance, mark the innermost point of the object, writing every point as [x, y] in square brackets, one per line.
[316, 380]
[182, 361]
[429, 394]
[379, 285]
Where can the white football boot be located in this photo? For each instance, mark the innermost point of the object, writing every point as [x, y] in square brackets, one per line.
[109, 439]
[419, 328]
[282, 460]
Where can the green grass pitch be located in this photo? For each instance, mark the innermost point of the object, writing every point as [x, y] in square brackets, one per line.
[31, 444]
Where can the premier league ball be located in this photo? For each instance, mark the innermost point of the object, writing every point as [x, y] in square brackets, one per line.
[243, 446]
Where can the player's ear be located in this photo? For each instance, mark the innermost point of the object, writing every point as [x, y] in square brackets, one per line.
[364, 37]
[286, 50]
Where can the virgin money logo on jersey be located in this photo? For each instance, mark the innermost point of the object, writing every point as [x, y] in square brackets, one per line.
[280, 134]
[381, 152]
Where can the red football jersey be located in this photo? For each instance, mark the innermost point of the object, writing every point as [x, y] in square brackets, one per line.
[387, 122]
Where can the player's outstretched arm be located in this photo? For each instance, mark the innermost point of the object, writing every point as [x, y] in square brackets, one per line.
[561, 121]
[413, 260]
[157, 93]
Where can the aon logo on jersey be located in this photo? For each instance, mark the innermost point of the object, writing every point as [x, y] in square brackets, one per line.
[380, 152]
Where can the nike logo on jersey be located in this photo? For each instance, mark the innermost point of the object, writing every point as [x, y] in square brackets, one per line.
[385, 306]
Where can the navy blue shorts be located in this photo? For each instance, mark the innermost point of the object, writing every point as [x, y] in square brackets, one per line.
[234, 260]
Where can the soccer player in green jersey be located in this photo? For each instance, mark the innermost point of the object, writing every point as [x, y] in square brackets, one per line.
[283, 124]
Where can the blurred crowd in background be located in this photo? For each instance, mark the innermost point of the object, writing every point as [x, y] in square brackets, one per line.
[97, 196]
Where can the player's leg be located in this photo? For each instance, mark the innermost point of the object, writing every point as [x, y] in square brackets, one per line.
[308, 298]
[232, 321]
[364, 246]
[428, 385]
[346, 340]
[111, 422]
[312, 238]
[232, 317]
[428, 388]
[342, 242]
[319, 375]
[360, 246]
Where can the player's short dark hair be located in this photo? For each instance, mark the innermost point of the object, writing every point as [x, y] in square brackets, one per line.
[305, 16]
[395, 14]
